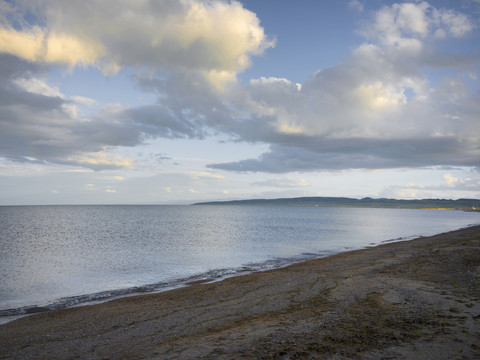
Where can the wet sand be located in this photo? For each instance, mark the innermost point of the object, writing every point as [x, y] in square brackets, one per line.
[414, 299]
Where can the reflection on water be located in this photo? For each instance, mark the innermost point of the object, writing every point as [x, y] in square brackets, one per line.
[52, 252]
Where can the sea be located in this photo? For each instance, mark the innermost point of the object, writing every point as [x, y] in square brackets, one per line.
[60, 256]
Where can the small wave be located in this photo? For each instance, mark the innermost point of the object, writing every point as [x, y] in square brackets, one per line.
[404, 238]
[391, 240]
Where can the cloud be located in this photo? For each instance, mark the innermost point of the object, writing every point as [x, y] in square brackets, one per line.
[376, 109]
[450, 180]
[78, 171]
[36, 45]
[37, 123]
[205, 174]
[455, 185]
[101, 160]
[313, 154]
[82, 100]
[187, 107]
[283, 183]
[406, 25]
[214, 37]
[408, 194]
[468, 183]
[37, 86]
[356, 5]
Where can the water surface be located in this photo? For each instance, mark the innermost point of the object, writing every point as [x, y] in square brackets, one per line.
[56, 256]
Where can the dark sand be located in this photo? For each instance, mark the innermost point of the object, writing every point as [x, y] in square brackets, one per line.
[418, 299]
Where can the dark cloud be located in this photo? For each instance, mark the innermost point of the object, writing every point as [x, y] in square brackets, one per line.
[187, 107]
[358, 154]
[41, 127]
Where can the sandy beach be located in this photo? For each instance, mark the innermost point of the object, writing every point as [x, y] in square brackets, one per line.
[414, 299]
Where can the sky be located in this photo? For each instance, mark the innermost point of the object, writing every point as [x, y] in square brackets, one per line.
[181, 101]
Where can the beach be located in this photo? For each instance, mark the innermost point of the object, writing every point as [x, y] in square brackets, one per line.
[410, 299]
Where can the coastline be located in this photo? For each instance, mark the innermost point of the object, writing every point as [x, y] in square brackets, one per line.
[416, 298]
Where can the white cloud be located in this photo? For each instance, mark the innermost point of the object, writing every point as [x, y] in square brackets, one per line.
[82, 100]
[376, 109]
[380, 97]
[205, 174]
[216, 38]
[469, 183]
[356, 5]
[102, 159]
[406, 25]
[457, 25]
[407, 194]
[35, 44]
[37, 86]
[450, 180]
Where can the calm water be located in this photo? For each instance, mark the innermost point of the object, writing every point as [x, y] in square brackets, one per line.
[56, 256]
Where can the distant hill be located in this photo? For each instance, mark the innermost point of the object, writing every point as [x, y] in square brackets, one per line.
[460, 204]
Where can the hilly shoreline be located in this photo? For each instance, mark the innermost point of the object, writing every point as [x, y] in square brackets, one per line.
[367, 202]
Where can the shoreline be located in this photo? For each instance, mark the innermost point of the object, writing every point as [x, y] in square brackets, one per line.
[405, 298]
[212, 276]
[215, 275]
